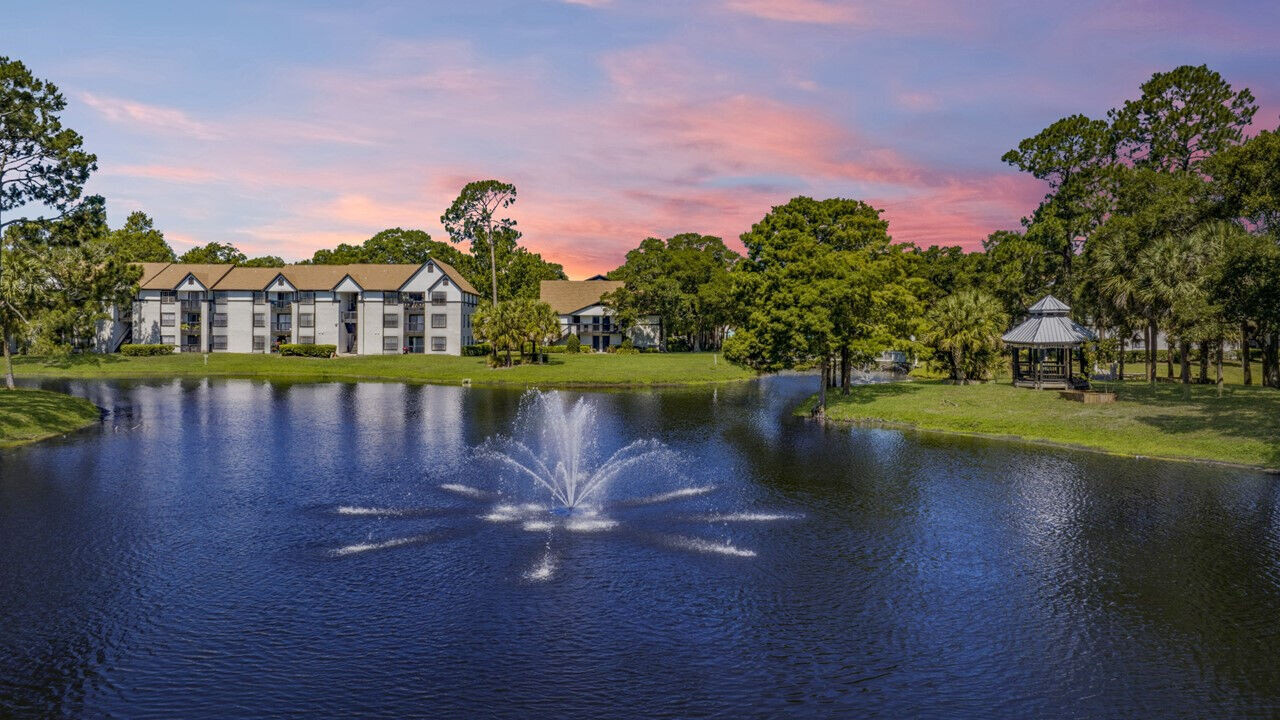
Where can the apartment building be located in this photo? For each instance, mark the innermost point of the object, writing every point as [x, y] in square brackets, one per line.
[582, 313]
[361, 309]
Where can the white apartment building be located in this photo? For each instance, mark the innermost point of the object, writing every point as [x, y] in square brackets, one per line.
[578, 303]
[361, 309]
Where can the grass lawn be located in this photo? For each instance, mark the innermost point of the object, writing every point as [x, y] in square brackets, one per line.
[1165, 420]
[30, 415]
[561, 370]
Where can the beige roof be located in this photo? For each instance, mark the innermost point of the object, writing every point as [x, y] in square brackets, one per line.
[456, 277]
[169, 277]
[565, 296]
[378, 277]
[150, 270]
[166, 276]
[312, 277]
[248, 278]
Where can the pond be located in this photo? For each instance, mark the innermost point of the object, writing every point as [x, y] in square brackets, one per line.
[241, 548]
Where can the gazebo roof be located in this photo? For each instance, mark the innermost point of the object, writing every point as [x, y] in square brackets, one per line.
[1050, 305]
[1049, 326]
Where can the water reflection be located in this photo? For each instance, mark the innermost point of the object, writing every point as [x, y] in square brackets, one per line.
[178, 560]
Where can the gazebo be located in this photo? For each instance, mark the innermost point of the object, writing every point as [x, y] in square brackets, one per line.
[1044, 346]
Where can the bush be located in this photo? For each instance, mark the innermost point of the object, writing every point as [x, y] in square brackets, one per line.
[552, 349]
[145, 350]
[572, 343]
[308, 350]
[585, 349]
[477, 350]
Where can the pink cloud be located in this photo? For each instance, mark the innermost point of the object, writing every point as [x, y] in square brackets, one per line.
[797, 11]
[167, 173]
[150, 117]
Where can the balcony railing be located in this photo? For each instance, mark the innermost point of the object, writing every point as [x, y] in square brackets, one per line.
[190, 348]
[191, 328]
[281, 327]
[192, 306]
[579, 328]
[415, 304]
[349, 316]
[282, 304]
[418, 328]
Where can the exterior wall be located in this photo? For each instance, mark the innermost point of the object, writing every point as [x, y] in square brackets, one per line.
[591, 325]
[237, 305]
[240, 307]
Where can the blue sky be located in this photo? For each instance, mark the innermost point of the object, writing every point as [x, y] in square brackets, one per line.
[286, 127]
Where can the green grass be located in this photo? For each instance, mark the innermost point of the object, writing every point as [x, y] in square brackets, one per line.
[30, 415]
[595, 370]
[1165, 420]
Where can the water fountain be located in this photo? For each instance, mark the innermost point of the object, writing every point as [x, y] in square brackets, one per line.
[553, 475]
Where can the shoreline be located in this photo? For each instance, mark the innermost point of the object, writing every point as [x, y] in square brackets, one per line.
[30, 415]
[1039, 442]
[1167, 422]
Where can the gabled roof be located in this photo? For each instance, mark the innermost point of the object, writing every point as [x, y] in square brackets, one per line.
[1049, 305]
[248, 278]
[565, 296]
[175, 273]
[455, 276]
[378, 277]
[150, 270]
[313, 277]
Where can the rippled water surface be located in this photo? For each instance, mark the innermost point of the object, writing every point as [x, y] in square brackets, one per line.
[245, 549]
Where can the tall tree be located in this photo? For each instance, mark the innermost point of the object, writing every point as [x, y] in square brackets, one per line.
[473, 217]
[41, 162]
[684, 281]
[1246, 180]
[1182, 118]
[820, 277]
[138, 240]
[214, 253]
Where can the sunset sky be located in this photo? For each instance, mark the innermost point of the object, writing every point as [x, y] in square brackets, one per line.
[286, 127]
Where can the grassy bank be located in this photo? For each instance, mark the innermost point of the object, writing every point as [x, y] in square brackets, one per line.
[597, 370]
[30, 415]
[1165, 420]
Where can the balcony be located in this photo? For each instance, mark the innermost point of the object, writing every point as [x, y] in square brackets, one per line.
[190, 348]
[415, 328]
[282, 304]
[349, 316]
[192, 306]
[281, 327]
[191, 328]
[415, 304]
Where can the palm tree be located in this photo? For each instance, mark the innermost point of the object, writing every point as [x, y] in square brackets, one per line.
[541, 324]
[965, 329]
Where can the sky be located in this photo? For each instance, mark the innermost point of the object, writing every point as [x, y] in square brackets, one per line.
[285, 127]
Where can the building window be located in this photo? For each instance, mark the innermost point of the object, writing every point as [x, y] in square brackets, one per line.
[439, 298]
[306, 320]
[168, 297]
[307, 297]
[259, 297]
[219, 342]
[414, 323]
[437, 343]
[391, 343]
[220, 296]
[391, 298]
[391, 321]
[307, 339]
[438, 320]
[259, 319]
[167, 319]
[259, 343]
[167, 340]
[444, 282]
[219, 320]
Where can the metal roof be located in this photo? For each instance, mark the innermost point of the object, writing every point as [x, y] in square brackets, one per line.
[1049, 331]
[1050, 305]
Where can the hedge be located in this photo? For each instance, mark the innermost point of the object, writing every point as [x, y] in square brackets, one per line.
[552, 348]
[477, 350]
[308, 350]
[137, 350]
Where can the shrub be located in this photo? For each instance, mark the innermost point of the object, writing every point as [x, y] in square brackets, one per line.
[477, 350]
[585, 349]
[552, 349]
[572, 343]
[308, 350]
[145, 350]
